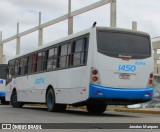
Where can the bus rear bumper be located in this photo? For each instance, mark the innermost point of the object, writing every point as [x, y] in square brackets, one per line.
[100, 92]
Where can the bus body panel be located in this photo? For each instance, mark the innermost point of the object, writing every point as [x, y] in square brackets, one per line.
[121, 79]
[126, 74]
[67, 87]
[70, 85]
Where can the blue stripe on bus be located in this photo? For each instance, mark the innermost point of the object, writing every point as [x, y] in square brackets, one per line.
[2, 94]
[1, 81]
[119, 93]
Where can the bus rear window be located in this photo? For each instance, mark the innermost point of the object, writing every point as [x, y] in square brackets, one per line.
[123, 45]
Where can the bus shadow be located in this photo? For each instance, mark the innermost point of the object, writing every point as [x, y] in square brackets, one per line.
[83, 112]
[38, 108]
[3, 104]
[106, 114]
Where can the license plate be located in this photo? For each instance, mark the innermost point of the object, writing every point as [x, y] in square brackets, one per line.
[124, 76]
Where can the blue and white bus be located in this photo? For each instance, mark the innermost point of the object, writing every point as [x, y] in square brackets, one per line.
[96, 67]
[3, 76]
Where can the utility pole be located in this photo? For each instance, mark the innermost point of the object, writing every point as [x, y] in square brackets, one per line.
[70, 19]
[40, 32]
[113, 10]
[18, 41]
[134, 25]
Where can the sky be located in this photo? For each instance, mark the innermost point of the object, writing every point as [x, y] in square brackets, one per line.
[145, 12]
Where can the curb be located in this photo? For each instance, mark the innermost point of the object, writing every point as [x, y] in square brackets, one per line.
[129, 110]
[144, 111]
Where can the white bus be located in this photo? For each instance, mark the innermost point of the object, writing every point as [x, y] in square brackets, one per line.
[96, 67]
[3, 76]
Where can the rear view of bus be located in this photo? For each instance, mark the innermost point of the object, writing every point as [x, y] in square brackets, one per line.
[122, 69]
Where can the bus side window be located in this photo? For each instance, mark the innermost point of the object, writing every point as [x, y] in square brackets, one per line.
[11, 68]
[16, 67]
[76, 50]
[85, 50]
[44, 60]
[69, 56]
[29, 64]
[39, 61]
[72, 52]
[50, 59]
[34, 63]
[21, 67]
[62, 56]
[55, 58]
[43, 65]
[25, 66]
[79, 52]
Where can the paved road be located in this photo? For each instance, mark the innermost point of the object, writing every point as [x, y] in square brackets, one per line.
[39, 114]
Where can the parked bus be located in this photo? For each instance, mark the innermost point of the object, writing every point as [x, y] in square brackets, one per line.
[3, 76]
[96, 67]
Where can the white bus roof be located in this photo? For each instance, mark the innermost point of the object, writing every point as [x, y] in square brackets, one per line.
[76, 35]
[122, 30]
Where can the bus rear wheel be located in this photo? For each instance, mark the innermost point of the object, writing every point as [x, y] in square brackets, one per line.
[14, 101]
[51, 105]
[96, 108]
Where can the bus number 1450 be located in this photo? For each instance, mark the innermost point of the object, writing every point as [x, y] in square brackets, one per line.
[128, 68]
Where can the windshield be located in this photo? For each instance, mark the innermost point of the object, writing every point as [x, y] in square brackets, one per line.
[123, 45]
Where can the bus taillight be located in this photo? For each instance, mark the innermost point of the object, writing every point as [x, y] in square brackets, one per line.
[94, 72]
[95, 78]
[151, 75]
[150, 82]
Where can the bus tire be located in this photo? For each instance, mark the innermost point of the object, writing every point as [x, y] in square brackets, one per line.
[96, 108]
[51, 105]
[14, 101]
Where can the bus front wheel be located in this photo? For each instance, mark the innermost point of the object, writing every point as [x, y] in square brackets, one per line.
[51, 105]
[14, 101]
[96, 108]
